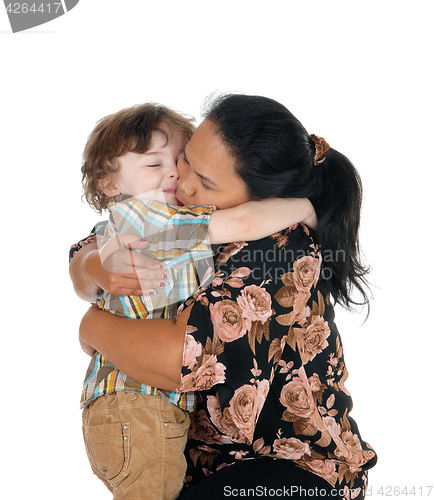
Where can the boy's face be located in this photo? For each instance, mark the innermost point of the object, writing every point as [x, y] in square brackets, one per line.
[153, 170]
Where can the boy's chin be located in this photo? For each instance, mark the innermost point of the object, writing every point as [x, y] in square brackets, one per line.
[171, 200]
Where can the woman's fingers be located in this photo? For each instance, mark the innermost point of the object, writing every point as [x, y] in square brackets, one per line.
[117, 256]
[126, 261]
[130, 284]
[138, 244]
[126, 278]
[140, 261]
[128, 272]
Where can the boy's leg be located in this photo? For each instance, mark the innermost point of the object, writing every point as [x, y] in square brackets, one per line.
[175, 427]
[125, 436]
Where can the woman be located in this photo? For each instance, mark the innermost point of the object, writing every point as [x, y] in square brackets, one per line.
[259, 344]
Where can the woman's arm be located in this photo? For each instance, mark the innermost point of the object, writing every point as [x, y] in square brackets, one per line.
[148, 351]
[258, 219]
[88, 349]
[80, 272]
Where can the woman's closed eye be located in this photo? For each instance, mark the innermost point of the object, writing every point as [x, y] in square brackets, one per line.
[183, 156]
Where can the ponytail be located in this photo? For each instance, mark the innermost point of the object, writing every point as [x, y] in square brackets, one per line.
[337, 199]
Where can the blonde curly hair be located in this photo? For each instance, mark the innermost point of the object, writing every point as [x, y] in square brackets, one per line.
[129, 129]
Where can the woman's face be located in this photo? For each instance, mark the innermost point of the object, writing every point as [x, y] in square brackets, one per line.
[207, 174]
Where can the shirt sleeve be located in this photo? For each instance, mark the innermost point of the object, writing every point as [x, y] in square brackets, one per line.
[158, 222]
[176, 234]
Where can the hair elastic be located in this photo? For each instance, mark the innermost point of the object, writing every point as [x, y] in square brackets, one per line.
[321, 149]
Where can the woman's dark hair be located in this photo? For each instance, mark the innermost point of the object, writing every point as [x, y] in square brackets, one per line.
[274, 156]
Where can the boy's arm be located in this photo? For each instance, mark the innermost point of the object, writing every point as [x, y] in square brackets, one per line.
[258, 219]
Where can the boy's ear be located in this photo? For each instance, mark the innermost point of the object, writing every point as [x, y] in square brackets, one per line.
[109, 186]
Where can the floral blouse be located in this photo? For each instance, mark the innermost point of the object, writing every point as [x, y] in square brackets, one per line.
[265, 355]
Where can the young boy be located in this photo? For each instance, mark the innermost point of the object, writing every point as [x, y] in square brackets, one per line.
[135, 435]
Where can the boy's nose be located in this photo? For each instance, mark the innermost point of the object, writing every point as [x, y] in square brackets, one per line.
[173, 172]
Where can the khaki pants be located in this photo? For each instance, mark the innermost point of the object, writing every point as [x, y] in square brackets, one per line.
[135, 444]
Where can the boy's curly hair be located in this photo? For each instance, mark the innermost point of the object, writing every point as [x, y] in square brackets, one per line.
[129, 129]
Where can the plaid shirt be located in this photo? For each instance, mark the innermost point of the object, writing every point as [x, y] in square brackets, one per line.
[178, 237]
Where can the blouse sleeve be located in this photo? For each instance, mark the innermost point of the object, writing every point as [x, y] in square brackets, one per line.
[98, 229]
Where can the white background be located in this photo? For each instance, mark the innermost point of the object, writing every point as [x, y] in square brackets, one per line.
[359, 74]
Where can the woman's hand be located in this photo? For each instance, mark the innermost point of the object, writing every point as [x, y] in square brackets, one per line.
[125, 272]
[118, 270]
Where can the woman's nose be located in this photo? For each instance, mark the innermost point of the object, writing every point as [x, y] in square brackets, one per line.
[184, 183]
[185, 186]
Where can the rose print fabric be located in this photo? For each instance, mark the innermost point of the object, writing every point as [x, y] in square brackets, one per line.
[264, 353]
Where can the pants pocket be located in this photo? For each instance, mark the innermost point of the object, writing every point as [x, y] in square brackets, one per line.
[108, 449]
[176, 422]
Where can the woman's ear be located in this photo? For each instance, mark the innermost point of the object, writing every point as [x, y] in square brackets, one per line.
[108, 185]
